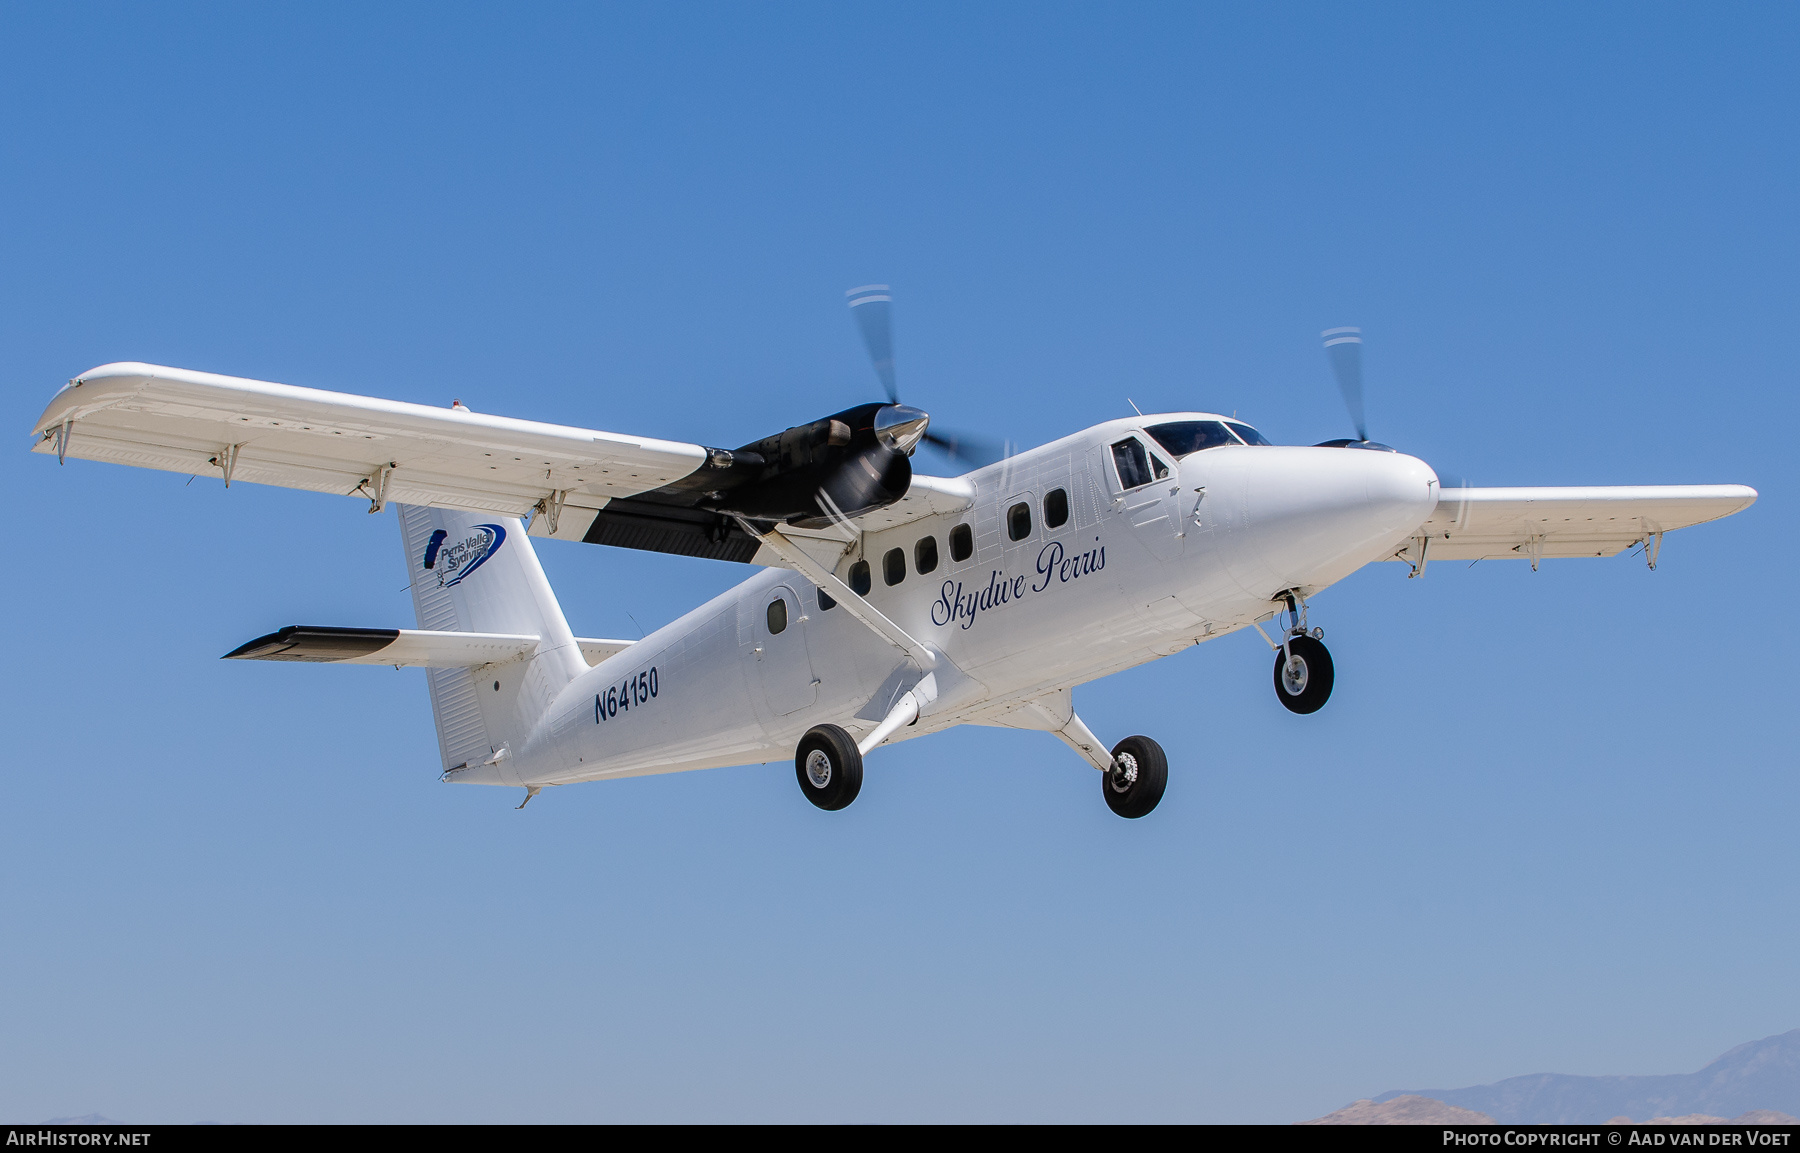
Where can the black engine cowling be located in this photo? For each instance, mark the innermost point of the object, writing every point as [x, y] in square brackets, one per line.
[847, 464]
[796, 476]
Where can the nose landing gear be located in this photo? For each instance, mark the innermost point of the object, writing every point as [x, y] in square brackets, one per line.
[1303, 672]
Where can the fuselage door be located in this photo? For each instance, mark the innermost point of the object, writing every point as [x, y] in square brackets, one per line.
[783, 666]
[1145, 488]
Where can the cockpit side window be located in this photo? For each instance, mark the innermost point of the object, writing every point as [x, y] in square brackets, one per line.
[1249, 435]
[1182, 437]
[1132, 462]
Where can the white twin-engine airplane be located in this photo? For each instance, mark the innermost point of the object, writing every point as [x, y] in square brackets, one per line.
[888, 604]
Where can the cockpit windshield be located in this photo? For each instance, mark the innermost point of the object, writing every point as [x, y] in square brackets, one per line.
[1182, 437]
[1249, 435]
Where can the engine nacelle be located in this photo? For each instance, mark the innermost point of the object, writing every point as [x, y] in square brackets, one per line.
[846, 464]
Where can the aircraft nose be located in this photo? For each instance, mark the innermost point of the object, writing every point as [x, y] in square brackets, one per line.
[1401, 491]
[1317, 514]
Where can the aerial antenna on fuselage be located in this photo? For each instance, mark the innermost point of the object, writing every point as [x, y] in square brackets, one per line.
[1134, 406]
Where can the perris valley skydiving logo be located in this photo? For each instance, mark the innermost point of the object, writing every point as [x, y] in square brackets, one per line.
[453, 561]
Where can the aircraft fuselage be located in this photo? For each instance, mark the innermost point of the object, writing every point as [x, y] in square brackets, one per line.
[1129, 575]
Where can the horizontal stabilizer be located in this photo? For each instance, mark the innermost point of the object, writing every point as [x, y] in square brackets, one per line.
[419, 648]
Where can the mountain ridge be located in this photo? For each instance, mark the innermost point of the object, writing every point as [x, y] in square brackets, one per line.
[1757, 1075]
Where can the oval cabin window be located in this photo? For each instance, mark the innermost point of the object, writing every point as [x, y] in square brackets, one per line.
[777, 615]
[925, 556]
[859, 578]
[893, 566]
[1056, 508]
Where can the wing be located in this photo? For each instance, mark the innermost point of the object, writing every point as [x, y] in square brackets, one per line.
[1538, 523]
[251, 430]
[585, 485]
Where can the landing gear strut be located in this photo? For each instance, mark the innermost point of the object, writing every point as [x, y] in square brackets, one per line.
[829, 767]
[1303, 672]
[1137, 778]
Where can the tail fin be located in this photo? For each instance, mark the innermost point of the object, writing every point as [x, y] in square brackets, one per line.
[476, 574]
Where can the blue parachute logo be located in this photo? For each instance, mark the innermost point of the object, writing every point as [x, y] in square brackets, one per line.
[453, 561]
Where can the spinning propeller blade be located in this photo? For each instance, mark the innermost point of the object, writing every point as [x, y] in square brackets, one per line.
[1343, 346]
[973, 451]
[873, 307]
[874, 312]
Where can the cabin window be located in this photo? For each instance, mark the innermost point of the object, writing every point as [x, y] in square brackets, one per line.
[962, 543]
[893, 566]
[825, 601]
[925, 556]
[1132, 462]
[859, 578]
[1018, 521]
[777, 615]
[1056, 508]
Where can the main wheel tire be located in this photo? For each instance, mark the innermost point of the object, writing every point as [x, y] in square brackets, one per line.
[1136, 781]
[1303, 683]
[829, 767]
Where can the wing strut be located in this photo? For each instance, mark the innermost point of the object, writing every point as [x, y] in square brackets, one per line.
[853, 603]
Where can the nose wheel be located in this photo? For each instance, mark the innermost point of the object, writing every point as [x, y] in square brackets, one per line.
[829, 767]
[1303, 674]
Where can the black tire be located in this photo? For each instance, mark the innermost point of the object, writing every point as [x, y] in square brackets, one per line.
[836, 776]
[1140, 773]
[1311, 686]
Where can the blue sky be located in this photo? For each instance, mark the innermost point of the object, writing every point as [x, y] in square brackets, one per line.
[1545, 823]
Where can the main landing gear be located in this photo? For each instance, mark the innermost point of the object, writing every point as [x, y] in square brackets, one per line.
[1137, 778]
[829, 760]
[1303, 672]
[829, 766]
[1132, 777]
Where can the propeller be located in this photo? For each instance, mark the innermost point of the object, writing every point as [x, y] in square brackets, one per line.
[873, 307]
[1343, 347]
[874, 312]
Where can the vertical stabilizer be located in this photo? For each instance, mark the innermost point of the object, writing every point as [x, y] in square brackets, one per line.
[474, 573]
